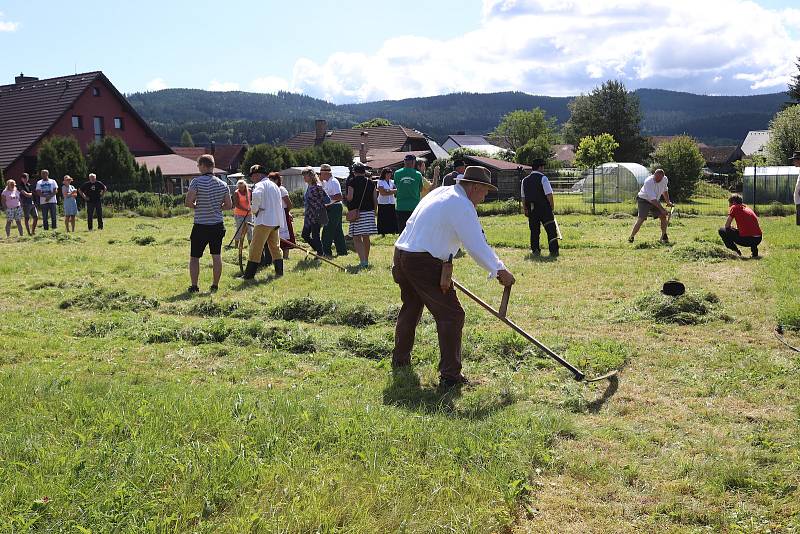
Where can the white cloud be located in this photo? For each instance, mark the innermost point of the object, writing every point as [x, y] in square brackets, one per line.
[269, 84]
[156, 84]
[216, 85]
[7, 26]
[564, 47]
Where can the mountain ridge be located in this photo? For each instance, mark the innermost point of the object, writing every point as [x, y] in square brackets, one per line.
[238, 116]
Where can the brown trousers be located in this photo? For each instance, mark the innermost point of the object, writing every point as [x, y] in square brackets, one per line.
[417, 274]
[269, 235]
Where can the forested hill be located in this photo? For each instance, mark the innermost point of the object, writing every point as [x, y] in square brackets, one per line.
[234, 117]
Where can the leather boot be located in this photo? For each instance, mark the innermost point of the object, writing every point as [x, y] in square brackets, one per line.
[250, 270]
[278, 267]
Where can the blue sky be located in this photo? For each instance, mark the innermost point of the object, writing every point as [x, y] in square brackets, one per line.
[347, 51]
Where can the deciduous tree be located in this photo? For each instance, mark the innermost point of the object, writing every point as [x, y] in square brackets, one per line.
[519, 127]
[186, 139]
[784, 136]
[372, 123]
[539, 147]
[683, 164]
[594, 150]
[609, 108]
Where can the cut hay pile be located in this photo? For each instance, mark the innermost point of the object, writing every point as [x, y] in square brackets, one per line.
[693, 307]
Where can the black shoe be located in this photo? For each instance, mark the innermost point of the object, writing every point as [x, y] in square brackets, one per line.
[665, 238]
[213, 288]
[536, 252]
[630, 239]
[278, 267]
[193, 289]
[451, 383]
[554, 254]
[250, 270]
[754, 250]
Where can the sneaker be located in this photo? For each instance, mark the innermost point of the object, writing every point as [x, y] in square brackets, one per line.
[193, 289]
[754, 250]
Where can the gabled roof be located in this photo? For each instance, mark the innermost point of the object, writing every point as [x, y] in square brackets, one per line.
[563, 152]
[377, 159]
[29, 109]
[466, 140]
[755, 141]
[497, 164]
[381, 137]
[173, 165]
[716, 155]
[224, 155]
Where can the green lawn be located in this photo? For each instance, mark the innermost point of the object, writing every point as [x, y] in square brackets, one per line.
[128, 406]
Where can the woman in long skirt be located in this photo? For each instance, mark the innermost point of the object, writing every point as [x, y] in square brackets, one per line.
[387, 217]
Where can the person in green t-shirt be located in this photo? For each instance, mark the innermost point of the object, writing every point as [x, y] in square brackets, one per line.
[408, 182]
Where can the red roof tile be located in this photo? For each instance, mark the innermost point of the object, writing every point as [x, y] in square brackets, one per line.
[381, 137]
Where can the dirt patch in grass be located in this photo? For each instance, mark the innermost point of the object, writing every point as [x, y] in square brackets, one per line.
[105, 299]
[143, 240]
[694, 307]
[702, 251]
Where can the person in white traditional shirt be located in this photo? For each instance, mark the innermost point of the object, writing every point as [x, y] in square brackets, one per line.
[443, 221]
[268, 216]
[648, 202]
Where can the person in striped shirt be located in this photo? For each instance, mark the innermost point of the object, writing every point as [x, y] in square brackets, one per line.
[207, 196]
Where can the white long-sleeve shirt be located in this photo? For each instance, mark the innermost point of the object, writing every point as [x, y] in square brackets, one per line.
[266, 205]
[797, 191]
[444, 221]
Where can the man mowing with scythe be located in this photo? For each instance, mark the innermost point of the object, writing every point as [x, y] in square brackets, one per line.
[443, 221]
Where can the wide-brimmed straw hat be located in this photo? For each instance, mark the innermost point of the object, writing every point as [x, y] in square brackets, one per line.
[478, 175]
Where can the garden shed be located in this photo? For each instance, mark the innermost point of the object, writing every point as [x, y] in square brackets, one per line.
[762, 185]
[613, 182]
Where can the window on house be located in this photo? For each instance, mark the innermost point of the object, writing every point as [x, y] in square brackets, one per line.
[99, 131]
[77, 122]
[95, 91]
[118, 124]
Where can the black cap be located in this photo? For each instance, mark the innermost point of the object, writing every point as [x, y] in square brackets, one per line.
[410, 157]
[359, 167]
[538, 162]
[459, 163]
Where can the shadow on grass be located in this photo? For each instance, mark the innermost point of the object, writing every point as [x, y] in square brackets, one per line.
[406, 391]
[540, 258]
[254, 282]
[596, 405]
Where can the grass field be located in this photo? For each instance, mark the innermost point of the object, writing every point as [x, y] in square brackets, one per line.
[128, 406]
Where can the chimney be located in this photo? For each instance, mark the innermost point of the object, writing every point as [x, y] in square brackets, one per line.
[23, 79]
[362, 153]
[320, 129]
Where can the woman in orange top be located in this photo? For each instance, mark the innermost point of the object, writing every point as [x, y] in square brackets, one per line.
[241, 212]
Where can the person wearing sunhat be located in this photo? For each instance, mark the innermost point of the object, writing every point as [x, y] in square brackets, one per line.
[537, 205]
[332, 233]
[408, 181]
[795, 160]
[443, 221]
[268, 216]
[458, 169]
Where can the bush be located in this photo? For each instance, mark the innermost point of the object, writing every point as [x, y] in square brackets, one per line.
[683, 164]
[500, 207]
[775, 209]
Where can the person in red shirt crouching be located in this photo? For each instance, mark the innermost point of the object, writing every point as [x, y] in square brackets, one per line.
[747, 232]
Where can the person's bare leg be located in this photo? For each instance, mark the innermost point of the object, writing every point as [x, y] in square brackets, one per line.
[8, 228]
[358, 246]
[194, 270]
[19, 227]
[636, 226]
[34, 224]
[663, 225]
[216, 265]
[366, 248]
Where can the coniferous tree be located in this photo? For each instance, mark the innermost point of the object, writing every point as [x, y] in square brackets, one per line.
[62, 156]
[112, 162]
[186, 139]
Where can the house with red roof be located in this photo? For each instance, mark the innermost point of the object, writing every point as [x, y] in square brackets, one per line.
[86, 106]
